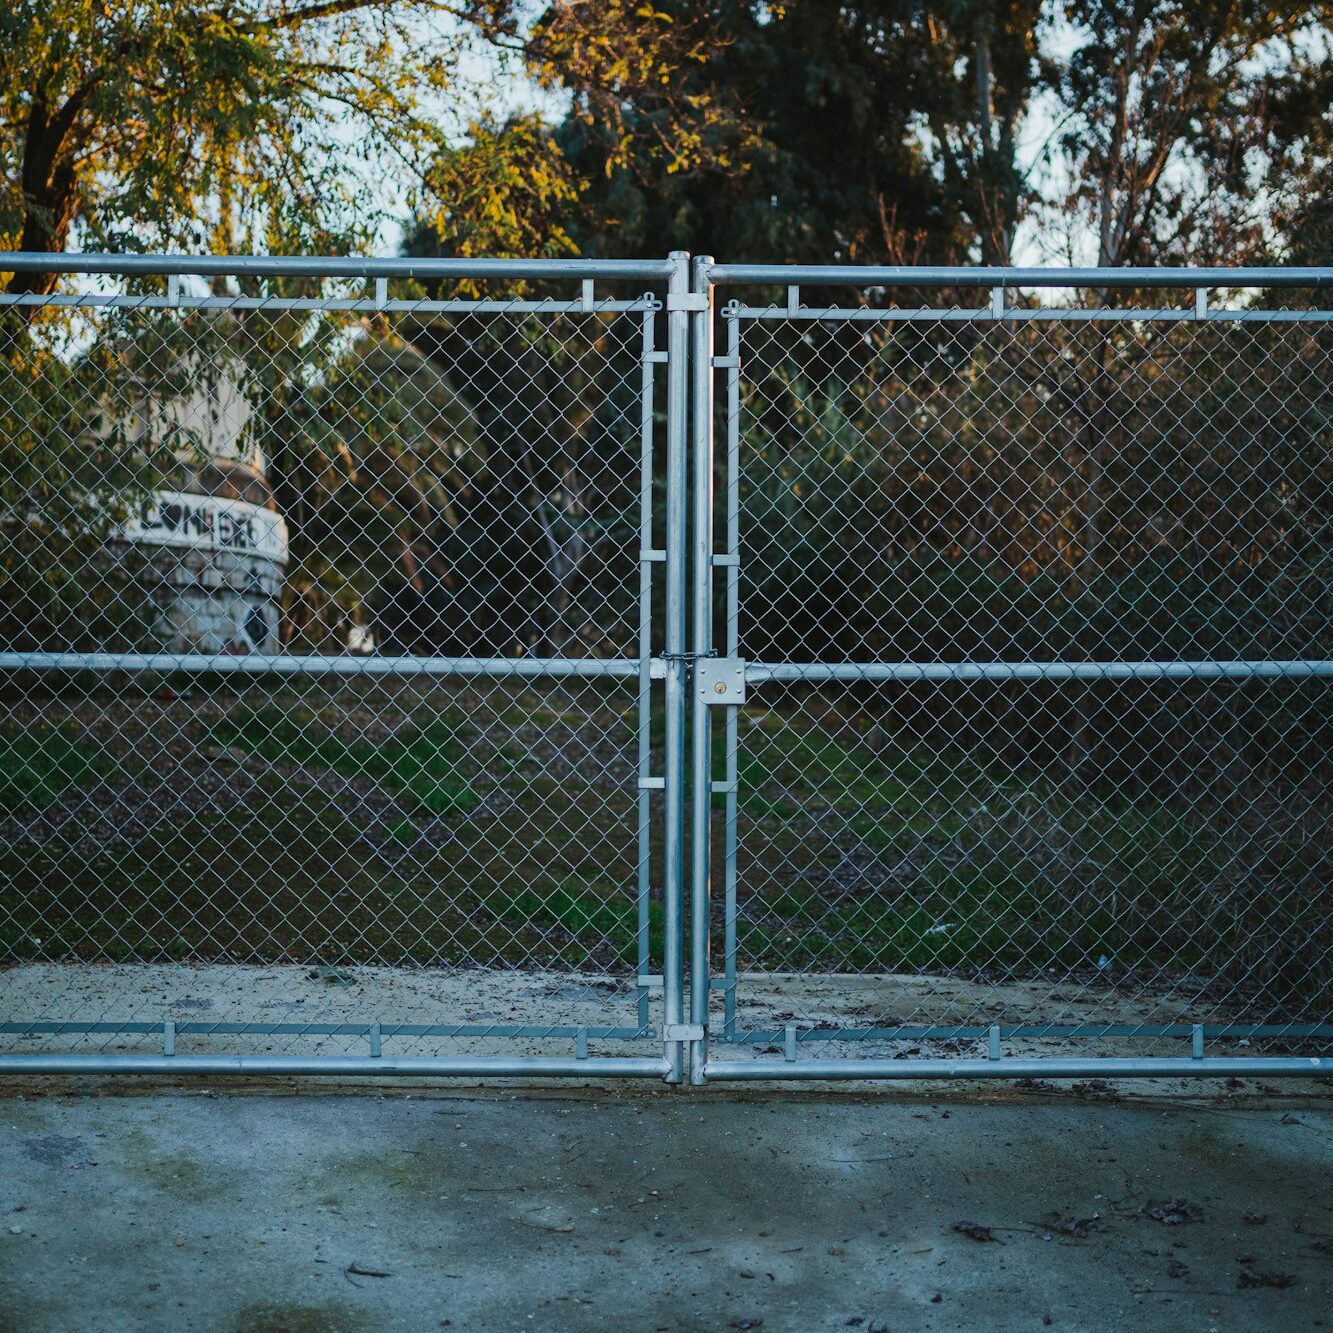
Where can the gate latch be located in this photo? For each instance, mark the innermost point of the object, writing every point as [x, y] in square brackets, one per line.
[683, 1032]
[720, 680]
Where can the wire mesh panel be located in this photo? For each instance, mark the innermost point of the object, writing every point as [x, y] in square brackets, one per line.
[344, 674]
[330, 721]
[1035, 610]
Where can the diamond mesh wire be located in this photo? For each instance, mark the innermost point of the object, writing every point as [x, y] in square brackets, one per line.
[327, 711]
[280, 821]
[1073, 777]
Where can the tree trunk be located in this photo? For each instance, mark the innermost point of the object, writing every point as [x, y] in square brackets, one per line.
[49, 195]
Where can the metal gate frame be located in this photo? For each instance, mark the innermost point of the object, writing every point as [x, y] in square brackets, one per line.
[721, 676]
[697, 678]
[671, 667]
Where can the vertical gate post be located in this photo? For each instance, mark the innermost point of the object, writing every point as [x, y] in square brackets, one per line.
[701, 776]
[677, 518]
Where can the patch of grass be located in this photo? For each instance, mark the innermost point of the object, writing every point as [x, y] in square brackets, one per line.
[991, 887]
[849, 775]
[16, 943]
[798, 929]
[404, 831]
[442, 796]
[595, 916]
[288, 875]
[38, 767]
[957, 860]
[418, 763]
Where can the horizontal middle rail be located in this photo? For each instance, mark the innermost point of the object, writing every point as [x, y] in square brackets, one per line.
[757, 673]
[256, 664]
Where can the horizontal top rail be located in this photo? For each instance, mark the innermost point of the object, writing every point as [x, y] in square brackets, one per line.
[909, 275]
[319, 266]
[327, 305]
[893, 275]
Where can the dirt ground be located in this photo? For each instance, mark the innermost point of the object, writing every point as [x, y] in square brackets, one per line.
[206, 1003]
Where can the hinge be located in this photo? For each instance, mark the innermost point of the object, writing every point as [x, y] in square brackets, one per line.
[696, 301]
[720, 680]
[683, 1032]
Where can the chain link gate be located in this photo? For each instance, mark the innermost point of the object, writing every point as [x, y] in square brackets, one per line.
[349, 717]
[343, 673]
[1022, 646]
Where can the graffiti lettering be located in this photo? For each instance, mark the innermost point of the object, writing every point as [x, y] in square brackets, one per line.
[225, 529]
[181, 519]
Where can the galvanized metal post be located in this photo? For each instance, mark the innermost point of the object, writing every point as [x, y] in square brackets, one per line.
[732, 648]
[701, 777]
[677, 518]
[643, 926]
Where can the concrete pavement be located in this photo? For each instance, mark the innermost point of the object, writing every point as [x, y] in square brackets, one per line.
[315, 1210]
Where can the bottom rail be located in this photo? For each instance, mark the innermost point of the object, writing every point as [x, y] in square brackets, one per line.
[719, 1071]
[366, 1065]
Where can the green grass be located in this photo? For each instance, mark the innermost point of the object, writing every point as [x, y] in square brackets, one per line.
[601, 915]
[289, 875]
[968, 862]
[38, 767]
[420, 763]
[853, 856]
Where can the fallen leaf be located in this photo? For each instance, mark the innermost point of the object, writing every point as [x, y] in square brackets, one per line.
[974, 1231]
[1249, 1277]
[1171, 1212]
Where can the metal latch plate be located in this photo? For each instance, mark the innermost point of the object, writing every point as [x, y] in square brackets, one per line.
[720, 680]
[683, 1032]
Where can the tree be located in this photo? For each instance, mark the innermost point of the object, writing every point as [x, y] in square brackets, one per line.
[987, 62]
[274, 124]
[278, 125]
[1184, 125]
[879, 131]
[815, 159]
[208, 125]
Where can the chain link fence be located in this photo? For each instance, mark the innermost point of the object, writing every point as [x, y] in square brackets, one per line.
[349, 721]
[1035, 596]
[329, 727]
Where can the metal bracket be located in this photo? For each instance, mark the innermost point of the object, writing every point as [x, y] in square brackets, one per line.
[720, 680]
[684, 1032]
[692, 301]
